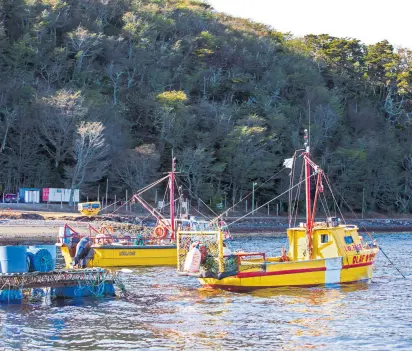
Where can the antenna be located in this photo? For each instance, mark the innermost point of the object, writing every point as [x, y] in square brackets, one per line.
[308, 141]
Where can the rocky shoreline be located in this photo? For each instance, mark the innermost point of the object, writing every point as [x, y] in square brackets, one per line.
[236, 224]
[36, 226]
[281, 224]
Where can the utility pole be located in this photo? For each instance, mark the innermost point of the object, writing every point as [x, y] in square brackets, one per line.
[126, 200]
[107, 190]
[363, 201]
[98, 193]
[253, 198]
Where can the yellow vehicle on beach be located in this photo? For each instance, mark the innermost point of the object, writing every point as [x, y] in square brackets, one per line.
[89, 209]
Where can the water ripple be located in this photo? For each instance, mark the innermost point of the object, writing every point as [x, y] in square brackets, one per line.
[166, 312]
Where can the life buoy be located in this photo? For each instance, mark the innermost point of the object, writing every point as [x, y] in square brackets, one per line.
[160, 232]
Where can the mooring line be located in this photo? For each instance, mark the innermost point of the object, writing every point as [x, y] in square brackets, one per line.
[391, 262]
[362, 226]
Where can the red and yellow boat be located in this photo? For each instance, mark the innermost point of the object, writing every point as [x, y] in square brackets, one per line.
[104, 247]
[319, 252]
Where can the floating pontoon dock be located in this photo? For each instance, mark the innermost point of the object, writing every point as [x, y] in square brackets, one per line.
[62, 283]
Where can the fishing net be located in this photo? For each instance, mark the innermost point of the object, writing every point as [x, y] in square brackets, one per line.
[208, 244]
[136, 234]
[212, 263]
[96, 282]
[40, 260]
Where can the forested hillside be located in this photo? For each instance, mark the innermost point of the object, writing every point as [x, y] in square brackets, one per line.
[97, 89]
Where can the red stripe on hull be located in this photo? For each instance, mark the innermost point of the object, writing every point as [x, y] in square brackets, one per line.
[358, 265]
[290, 271]
[238, 288]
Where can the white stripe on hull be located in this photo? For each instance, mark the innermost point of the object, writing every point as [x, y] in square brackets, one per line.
[333, 269]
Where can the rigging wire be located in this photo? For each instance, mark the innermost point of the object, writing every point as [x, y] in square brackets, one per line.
[366, 231]
[198, 198]
[139, 192]
[268, 202]
[333, 196]
[147, 187]
[292, 177]
[227, 210]
[296, 203]
[324, 205]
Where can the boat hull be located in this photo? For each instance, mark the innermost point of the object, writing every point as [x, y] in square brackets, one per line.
[297, 273]
[124, 256]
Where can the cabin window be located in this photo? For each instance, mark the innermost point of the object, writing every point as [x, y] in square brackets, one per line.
[324, 238]
[348, 240]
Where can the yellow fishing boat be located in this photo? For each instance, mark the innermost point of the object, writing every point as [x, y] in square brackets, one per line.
[319, 252]
[105, 247]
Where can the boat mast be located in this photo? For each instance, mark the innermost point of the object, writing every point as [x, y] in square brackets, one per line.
[308, 202]
[172, 198]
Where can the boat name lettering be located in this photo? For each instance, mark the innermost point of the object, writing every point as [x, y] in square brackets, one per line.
[363, 258]
[127, 253]
[354, 247]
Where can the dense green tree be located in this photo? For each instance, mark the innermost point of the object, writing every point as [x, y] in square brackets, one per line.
[229, 96]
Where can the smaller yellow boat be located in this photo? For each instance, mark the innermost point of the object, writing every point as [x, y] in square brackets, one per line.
[106, 247]
[89, 209]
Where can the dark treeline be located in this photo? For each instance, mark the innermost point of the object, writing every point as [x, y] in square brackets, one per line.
[97, 89]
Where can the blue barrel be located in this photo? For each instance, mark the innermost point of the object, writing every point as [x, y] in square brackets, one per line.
[13, 259]
[40, 260]
[13, 296]
[51, 249]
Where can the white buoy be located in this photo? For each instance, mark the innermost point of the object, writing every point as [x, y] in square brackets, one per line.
[192, 262]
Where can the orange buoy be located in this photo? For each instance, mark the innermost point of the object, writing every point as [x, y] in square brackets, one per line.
[160, 232]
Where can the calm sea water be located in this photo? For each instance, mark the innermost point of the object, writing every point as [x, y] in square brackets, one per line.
[167, 312]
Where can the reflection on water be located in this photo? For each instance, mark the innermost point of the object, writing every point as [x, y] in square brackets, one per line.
[166, 312]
